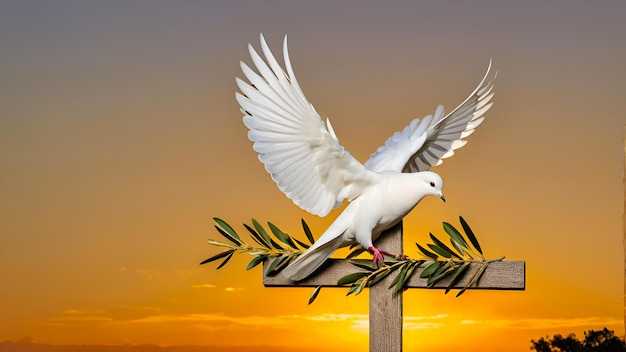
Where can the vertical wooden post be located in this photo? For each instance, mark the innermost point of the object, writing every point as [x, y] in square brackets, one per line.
[624, 229]
[386, 304]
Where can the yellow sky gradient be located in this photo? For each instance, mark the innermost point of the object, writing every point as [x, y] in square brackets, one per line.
[120, 139]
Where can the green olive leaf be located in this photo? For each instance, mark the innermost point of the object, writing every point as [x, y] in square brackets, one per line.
[440, 251]
[470, 235]
[473, 279]
[276, 264]
[360, 286]
[440, 273]
[481, 271]
[458, 274]
[260, 240]
[351, 278]
[314, 294]
[230, 255]
[410, 271]
[283, 237]
[227, 235]
[366, 264]
[395, 279]
[218, 256]
[352, 289]
[399, 280]
[256, 261]
[455, 235]
[307, 231]
[302, 244]
[388, 270]
[221, 244]
[226, 230]
[430, 269]
[267, 239]
[426, 252]
[443, 246]
[378, 277]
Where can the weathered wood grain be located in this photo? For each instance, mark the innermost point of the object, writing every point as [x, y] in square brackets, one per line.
[385, 304]
[504, 275]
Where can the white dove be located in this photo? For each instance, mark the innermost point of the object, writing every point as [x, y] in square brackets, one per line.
[312, 168]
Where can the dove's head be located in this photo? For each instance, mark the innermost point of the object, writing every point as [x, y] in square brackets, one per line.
[434, 184]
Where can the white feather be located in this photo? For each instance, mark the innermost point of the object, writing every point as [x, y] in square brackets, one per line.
[305, 159]
[294, 144]
[454, 127]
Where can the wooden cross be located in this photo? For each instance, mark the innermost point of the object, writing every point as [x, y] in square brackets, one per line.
[386, 304]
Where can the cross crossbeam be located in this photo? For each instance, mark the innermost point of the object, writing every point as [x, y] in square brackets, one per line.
[385, 308]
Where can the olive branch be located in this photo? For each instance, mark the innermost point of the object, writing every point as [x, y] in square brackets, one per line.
[440, 262]
[269, 247]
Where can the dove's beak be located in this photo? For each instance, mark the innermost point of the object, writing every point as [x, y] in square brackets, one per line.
[442, 197]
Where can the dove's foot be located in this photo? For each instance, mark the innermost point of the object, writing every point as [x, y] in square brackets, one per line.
[379, 256]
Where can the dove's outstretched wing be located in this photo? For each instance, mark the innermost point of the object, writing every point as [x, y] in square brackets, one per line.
[302, 154]
[425, 143]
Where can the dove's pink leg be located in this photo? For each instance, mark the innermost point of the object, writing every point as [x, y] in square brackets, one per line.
[380, 253]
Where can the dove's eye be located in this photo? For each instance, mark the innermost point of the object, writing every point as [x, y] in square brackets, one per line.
[432, 184]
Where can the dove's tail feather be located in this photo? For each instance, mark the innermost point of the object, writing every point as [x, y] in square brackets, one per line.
[310, 260]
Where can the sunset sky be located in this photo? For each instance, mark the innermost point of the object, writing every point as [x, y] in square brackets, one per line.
[120, 140]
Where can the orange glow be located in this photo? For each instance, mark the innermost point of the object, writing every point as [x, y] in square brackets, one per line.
[120, 139]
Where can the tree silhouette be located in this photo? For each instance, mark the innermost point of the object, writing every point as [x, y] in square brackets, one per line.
[595, 341]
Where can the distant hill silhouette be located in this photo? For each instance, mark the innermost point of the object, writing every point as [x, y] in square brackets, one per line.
[29, 345]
